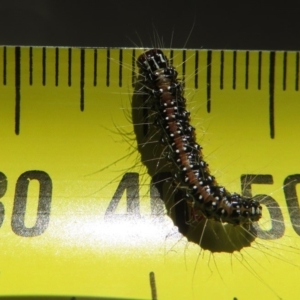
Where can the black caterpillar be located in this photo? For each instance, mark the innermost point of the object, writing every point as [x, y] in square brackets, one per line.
[190, 173]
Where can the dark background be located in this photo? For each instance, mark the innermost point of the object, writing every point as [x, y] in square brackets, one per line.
[130, 23]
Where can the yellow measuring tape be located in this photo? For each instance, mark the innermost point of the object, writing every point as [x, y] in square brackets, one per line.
[70, 225]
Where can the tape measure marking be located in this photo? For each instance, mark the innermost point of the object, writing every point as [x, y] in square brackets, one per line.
[95, 66]
[56, 65]
[222, 70]
[277, 223]
[208, 80]
[171, 57]
[120, 67]
[289, 186]
[283, 68]
[44, 65]
[259, 70]
[271, 93]
[247, 70]
[82, 63]
[196, 68]
[4, 65]
[196, 73]
[107, 66]
[133, 75]
[153, 286]
[234, 71]
[70, 66]
[18, 88]
[297, 71]
[30, 66]
[183, 67]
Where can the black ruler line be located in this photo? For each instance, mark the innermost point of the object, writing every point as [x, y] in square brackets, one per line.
[196, 68]
[120, 67]
[107, 66]
[4, 66]
[234, 70]
[82, 65]
[30, 66]
[297, 72]
[70, 66]
[153, 286]
[183, 67]
[259, 70]
[95, 66]
[284, 70]
[271, 92]
[222, 70]
[247, 71]
[133, 78]
[171, 57]
[208, 81]
[56, 65]
[18, 88]
[44, 65]
[272, 67]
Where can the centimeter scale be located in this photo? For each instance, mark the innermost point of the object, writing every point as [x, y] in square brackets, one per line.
[76, 210]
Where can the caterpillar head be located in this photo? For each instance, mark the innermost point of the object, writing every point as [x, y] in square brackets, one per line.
[152, 60]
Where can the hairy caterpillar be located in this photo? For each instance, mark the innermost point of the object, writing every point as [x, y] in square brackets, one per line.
[208, 233]
[163, 94]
